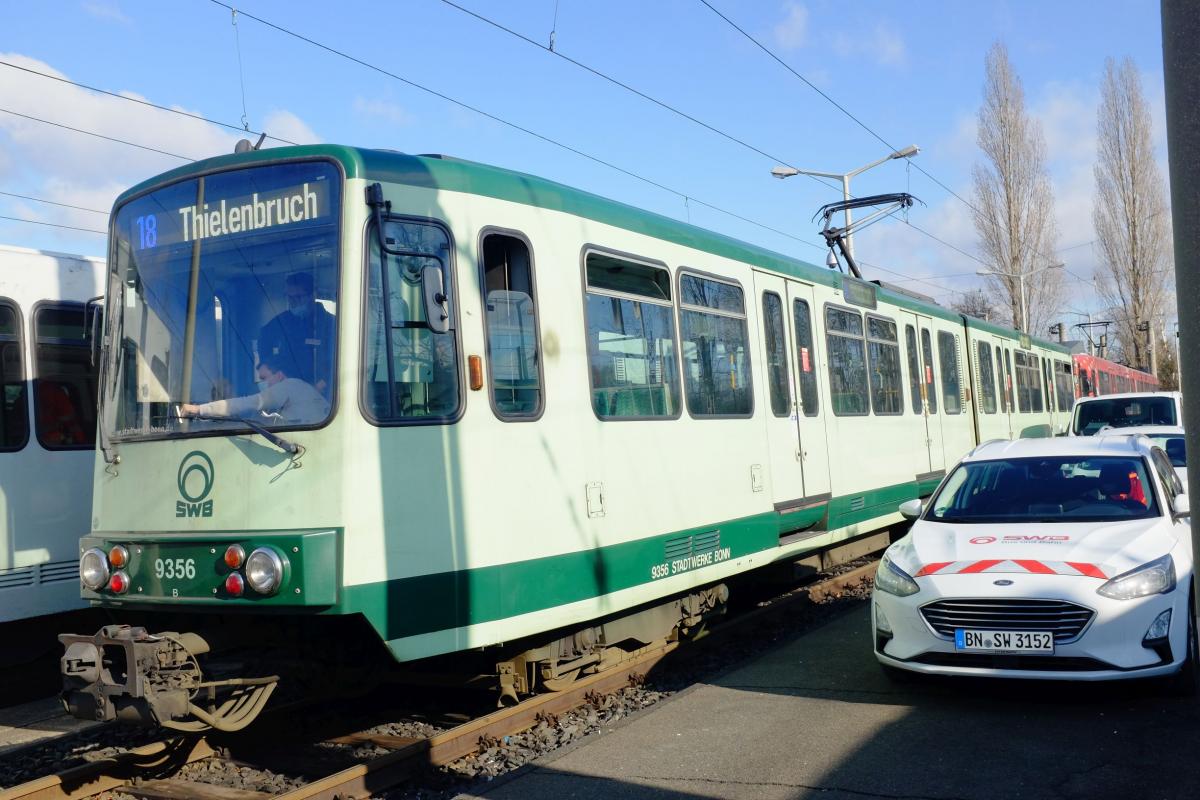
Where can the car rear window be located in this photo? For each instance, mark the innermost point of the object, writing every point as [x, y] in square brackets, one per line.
[1127, 412]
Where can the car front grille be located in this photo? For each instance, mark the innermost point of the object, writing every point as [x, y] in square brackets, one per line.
[1065, 620]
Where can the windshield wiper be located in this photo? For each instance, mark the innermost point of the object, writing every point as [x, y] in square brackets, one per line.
[291, 448]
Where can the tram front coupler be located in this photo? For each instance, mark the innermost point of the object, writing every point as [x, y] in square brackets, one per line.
[128, 674]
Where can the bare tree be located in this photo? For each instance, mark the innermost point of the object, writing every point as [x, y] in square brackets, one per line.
[1014, 204]
[1130, 214]
[979, 304]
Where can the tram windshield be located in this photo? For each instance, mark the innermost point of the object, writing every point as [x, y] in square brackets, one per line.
[223, 303]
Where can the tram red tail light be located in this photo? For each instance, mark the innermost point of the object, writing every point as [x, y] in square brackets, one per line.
[118, 583]
[235, 554]
[234, 585]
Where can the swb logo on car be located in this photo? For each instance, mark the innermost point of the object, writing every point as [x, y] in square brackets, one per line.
[195, 479]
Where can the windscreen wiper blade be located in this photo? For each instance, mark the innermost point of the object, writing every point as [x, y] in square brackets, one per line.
[291, 448]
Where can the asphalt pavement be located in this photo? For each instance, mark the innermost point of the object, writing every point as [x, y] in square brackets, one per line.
[815, 717]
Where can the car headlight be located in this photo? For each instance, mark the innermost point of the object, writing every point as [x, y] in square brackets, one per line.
[1156, 577]
[893, 580]
[93, 569]
[264, 571]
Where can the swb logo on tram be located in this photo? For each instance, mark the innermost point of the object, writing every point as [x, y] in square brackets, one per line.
[195, 479]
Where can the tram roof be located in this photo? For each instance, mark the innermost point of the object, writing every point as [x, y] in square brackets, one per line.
[458, 175]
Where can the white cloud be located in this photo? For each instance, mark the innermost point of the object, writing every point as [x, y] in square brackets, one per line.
[106, 11]
[382, 109]
[882, 44]
[287, 125]
[45, 161]
[792, 32]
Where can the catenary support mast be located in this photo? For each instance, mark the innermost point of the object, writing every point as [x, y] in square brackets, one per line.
[1181, 76]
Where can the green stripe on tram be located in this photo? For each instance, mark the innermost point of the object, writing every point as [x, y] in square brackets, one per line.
[429, 603]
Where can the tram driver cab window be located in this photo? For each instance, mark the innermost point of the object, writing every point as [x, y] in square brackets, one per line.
[410, 373]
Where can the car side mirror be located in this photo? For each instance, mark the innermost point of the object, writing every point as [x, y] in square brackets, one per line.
[911, 509]
[1182, 507]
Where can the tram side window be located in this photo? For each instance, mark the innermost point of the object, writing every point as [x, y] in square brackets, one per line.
[1046, 384]
[1105, 382]
[1063, 386]
[715, 349]
[410, 373]
[1035, 384]
[807, 356]
[64, 390]
[987, 381]
[14, 421]
[914, 368]
[948, 355]
[847, 362]
[777, 367]
[1023, 402]
[1085, 382]
[883, 356]
[631, 339]
[927, 362]
[1008, 381]
[1004, 403]
[510, 313]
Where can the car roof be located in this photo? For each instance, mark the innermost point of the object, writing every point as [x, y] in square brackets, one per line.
[1114, 444]
[1128, 396]
[1143, 430]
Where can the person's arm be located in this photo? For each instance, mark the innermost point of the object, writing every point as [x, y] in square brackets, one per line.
[233, 407]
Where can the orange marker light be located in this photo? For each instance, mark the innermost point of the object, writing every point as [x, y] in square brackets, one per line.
[234, 556]
[475, 372]
[234, 585]
[118, 556]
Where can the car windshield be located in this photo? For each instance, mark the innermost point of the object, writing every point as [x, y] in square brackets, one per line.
[222, 303]
[1049, 489]
[1123, 412]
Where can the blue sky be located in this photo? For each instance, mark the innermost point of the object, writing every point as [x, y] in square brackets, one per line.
[911, 73]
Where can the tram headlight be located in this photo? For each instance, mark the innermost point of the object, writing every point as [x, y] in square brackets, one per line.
[264, 571]
[93, 569]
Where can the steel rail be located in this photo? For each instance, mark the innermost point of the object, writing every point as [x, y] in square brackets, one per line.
[387, 771]
[86, 780]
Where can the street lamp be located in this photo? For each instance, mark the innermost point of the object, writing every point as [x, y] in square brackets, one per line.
[787, 172]
[1021, 276]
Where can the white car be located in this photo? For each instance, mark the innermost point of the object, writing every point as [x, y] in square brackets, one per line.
[1092, 414]
[1066, 558]
[1169, 437]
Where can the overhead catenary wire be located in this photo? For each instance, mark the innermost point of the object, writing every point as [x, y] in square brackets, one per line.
[53, 202]
[707, 126]
[54, 225]
[97, 135]
[141, 102]
[502, 121]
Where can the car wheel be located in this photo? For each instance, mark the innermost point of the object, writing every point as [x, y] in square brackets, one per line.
[1186, 682]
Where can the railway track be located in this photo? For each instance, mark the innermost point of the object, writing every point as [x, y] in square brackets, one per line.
[169, 770]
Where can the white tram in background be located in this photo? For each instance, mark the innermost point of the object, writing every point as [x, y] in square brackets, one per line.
[47, 430]
[529, 423]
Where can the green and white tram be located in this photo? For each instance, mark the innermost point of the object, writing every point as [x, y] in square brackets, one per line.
[354, 399]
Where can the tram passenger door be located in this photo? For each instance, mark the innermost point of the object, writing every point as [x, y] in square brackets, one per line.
[809, 413]
[1004, 387]
[779, 357]
[923, 390]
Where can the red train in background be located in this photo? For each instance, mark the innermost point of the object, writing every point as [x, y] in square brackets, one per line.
[1095, 376]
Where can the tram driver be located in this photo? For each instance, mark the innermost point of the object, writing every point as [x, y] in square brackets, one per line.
[300, 340]
[293, 401]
